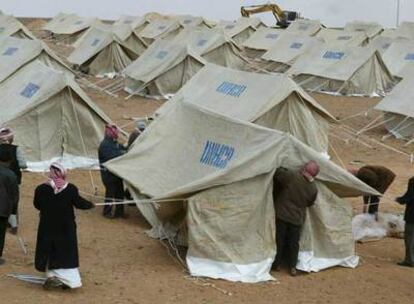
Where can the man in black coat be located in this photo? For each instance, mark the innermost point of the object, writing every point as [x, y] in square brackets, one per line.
[114, 189]
[408, 200]
[9, 194]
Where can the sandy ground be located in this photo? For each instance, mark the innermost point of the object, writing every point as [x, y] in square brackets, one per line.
[120, 264]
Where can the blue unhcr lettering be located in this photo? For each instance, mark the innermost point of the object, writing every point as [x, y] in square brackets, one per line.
[161, 54]
[162, 27]
[30, 90]
[127, 21]
[409, 56]
[1, 29]
[231, 89]
[216, 155]
[95, 42]
[296, 45]
[187, 21]
[229, 26]
[385, 46]
[10, 51]
[201, 42]
[303, 27]
[78, 22]
[333, 55]
[344, 37]
[271, 36]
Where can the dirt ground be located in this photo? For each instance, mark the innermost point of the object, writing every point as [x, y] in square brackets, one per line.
[120, 264]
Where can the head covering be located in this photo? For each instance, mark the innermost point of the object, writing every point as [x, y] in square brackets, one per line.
[57, 177]
[6, 135]
[5, 154]
[111, 131]
[141, 126]
[311, 170]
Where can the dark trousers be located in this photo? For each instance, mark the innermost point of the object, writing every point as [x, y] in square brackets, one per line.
[3, 228]
[409, 243]
[114, 192]
[287, 243]
[373, 203]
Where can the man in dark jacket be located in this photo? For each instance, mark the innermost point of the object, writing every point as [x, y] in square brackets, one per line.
[293, 192]
[8, 195]
[114, 189]
[17, 163]
[379, 178]
[408, 200]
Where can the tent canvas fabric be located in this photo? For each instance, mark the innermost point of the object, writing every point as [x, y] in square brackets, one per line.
[160, 28]
[261, 41]
[52, 118]
[68, 28]
[273, 101]
[382, 43]
[10, 26]
[399, 56]
[137, 23]
[343, 70]
[405, 30]
[102, 52]
[371, 29]
[193, 21]
[305, 27]
[229, 213]
[289, 47]
[241, 29]
[16, 53]
[163, 69]
[214, 46]
[398, 107]
[342, 37]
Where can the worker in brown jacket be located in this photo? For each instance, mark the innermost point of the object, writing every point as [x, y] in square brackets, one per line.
[293, 192]
[379, 178]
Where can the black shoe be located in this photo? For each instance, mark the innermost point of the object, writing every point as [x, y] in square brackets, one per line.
[293, 272]
[13, 230]
[2, 261]
[405, 264]
[108, 215]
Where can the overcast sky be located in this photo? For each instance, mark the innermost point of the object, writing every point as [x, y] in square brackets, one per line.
[330, 12]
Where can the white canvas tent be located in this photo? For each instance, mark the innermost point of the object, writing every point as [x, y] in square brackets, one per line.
[124, 33]
[343, 70]
[399, 56]
[382, 43]
[137, 23]
[160, 28]
[342, 38]
[212, 45]
[67, 28]
[241, 29]
[16, 53]
[261, 41]
[289, 47]
[194, 21]
[273, 101]
[10, 26]
[101, 52]
[398, 107]
[405, 30]
[52, 118]
[228, 214]
[162, 69]
[305, 27]
[371, 29]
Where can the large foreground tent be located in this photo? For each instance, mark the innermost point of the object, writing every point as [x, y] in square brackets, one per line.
[273, 101]
[261, 41]
[224, 170]
[398, 107]
[241, 29]
[160, 28]
[101, 52]
[305, 27]
[371, 29]
[67, 28]
[399, 56]
[288, 48]
[53, 119]
[10, 26]
[343, 70]
[16, 53]
[342, 38]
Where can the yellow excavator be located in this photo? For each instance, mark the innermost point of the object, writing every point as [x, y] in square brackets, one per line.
[283, 18]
